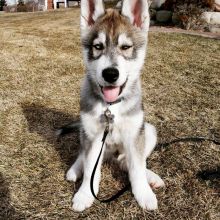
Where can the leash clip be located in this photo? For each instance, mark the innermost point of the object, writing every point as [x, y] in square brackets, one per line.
[109, 117]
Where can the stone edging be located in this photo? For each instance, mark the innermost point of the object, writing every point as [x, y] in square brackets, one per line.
[181, 31]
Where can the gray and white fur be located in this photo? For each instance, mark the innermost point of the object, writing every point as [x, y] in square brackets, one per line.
[114, 47]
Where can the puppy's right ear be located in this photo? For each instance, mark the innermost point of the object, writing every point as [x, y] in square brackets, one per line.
[90, 11]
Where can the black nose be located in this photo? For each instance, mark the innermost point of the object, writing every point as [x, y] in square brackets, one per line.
[110, 74]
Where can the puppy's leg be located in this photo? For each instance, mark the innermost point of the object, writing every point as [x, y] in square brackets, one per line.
[83, 198]
[75, 170]
[136, 163]
[150, 142]
[152, 178]
[150, 138]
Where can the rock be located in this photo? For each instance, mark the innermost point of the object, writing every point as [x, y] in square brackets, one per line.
[214, 29]
[176, 19]
[211, 17]
[163, 16]
[156, 4]
[119, 4]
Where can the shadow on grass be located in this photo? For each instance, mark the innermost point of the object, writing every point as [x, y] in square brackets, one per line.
[7, 211]
[212, 176]
[45, 121]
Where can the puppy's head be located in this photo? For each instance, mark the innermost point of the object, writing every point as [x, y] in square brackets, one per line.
[114, 44]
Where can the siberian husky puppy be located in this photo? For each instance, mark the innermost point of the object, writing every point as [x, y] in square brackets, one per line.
[114, 47]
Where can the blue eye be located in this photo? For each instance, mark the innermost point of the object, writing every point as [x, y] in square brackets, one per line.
[99, 46]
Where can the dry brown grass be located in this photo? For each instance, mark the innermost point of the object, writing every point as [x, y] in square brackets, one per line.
[41, 69]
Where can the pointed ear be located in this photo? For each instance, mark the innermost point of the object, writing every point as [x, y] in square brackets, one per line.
[90, 11]
[137, 12]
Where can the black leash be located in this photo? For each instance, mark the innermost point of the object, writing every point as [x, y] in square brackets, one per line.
[189, 139]
[120, 192]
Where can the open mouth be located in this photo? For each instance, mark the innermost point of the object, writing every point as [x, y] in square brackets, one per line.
[111, 93]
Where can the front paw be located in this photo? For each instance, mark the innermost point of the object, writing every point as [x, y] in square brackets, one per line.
[73, 174]
[154, 180]
[81, 201]
[146, 199]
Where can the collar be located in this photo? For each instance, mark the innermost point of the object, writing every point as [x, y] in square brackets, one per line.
[115, 102]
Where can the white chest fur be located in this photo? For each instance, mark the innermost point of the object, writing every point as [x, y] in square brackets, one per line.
[122, 126]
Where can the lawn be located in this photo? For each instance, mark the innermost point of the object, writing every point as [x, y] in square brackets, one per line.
[41, 69]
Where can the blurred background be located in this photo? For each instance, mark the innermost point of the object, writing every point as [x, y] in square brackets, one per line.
[187, 14]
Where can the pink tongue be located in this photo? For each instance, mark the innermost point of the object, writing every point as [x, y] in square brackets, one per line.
[111, 93]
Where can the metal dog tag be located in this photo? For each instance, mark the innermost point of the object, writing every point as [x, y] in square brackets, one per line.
[107, 117]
